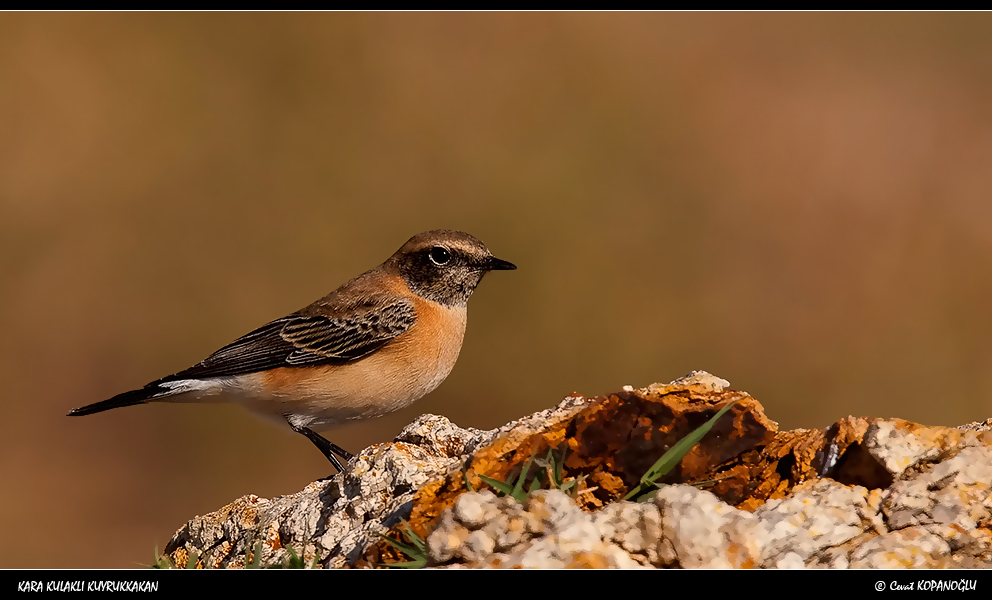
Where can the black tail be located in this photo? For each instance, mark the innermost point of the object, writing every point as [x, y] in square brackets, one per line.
[126, 399]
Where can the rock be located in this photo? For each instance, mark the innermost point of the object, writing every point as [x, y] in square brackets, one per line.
[551, 532]
[703, 532]
[862, 493]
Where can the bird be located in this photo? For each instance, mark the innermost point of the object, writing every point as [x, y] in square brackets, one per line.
[378, 343]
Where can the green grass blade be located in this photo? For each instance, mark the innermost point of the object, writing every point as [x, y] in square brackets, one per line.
[677, 452]
[558, 467]
[417, 550]
[416, 564]
[413, 537]
[256, 562]
[709, 482]
[536, 483]
[518, 490]
[499, 485]
[408, 549]
[295, 562]
[162, 561]
[649, 497]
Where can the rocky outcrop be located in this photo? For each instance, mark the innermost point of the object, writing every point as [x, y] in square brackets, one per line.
[861, 493]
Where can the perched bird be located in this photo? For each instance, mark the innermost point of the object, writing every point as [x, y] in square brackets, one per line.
[374, 345]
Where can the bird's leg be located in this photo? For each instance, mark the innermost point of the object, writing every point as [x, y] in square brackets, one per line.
[326, 447]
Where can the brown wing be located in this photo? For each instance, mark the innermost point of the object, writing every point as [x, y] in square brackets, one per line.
[301, 340]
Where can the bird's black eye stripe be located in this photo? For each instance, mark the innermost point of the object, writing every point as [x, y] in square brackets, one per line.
[439, 255]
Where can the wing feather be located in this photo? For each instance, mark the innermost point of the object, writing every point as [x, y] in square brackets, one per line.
[308, 339]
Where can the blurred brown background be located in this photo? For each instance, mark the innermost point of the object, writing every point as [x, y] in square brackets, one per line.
[797, 203]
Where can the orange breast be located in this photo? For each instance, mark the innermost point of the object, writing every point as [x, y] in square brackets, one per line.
[401, 372]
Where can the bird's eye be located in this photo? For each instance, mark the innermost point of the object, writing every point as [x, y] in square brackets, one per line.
[439, 255]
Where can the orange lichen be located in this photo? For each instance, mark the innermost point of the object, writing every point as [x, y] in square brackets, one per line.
[611, 441]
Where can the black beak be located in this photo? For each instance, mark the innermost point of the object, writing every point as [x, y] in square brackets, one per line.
[496, 264]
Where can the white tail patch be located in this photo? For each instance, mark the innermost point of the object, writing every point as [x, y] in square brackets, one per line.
[194, 388]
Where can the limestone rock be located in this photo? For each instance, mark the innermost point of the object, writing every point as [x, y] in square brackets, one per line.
[862, 493]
